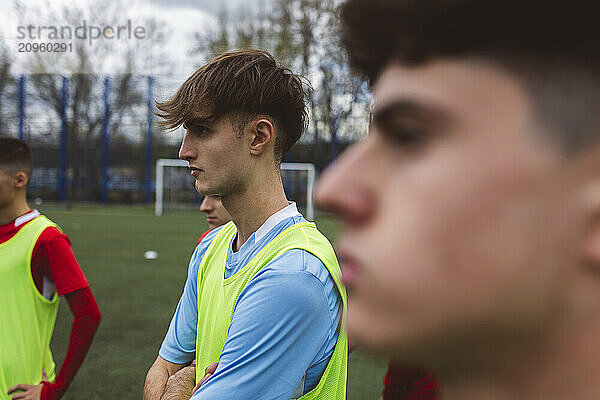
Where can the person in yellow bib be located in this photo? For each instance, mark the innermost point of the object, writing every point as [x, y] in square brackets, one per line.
[263, 296]
[37, 266]
[216, 215]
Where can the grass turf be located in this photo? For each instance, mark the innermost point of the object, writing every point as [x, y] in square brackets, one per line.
[137, 297]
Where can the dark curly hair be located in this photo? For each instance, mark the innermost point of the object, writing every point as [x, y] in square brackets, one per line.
[551, 47]
[15, 156]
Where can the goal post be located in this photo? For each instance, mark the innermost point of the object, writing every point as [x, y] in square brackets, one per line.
[161, 163]
[310, 181]
[304, 172]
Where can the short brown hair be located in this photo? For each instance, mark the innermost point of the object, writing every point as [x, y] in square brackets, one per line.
[552, 47]
[15, 156]
[242, 84]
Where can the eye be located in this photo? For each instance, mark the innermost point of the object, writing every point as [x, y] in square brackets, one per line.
[198, 129]
[404, 132]
[406, 137]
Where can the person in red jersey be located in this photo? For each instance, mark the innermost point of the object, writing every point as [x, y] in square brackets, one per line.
[36, 266]
[409, 383]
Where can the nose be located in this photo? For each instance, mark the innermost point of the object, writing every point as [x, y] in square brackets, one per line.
[186, 151]
[205, 206]
[343, 188]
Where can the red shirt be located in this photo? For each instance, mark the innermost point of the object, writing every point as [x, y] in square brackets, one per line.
[53, 265]
[52, 257]
[203, 235]
[405, 383]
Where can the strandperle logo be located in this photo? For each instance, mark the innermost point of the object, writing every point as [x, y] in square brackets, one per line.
[82, 32]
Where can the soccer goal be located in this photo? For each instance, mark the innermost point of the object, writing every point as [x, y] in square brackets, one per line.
[174, 187]
[298, 180]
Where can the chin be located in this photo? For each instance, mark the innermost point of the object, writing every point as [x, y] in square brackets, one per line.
[381, 337]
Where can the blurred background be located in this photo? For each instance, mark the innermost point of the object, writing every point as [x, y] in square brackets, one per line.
[78, 82]
[86, 107]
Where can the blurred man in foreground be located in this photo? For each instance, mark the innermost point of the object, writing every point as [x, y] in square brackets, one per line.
[470, 242]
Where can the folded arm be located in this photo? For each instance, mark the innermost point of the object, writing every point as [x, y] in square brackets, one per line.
[278, 327]
[179, 346]
[159, 374]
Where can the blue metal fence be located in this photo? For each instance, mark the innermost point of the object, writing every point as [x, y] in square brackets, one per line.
[99, 154]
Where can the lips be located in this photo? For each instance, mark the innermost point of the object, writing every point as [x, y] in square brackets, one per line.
[350, 268]
[194, 171]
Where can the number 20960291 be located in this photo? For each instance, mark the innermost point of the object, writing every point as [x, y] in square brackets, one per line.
[45, 47]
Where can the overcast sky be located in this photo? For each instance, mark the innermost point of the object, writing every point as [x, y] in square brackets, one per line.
[211, 6]
[182, 19]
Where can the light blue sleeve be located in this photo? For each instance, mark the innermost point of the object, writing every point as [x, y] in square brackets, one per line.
[280, 323]
[179, 345]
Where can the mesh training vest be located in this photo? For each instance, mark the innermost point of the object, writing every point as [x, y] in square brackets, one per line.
[217, 298]
[26, 317]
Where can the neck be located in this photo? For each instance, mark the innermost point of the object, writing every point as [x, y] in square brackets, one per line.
[13, 210]
[250, 208]
[560, 364]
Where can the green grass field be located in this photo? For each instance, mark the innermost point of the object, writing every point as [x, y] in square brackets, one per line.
[137, 297]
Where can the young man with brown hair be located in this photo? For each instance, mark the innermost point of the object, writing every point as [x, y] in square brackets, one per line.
[470, 241]
[263, 297]
[36, 266]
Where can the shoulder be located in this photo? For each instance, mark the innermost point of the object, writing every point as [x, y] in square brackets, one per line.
[298, 261]
[52, 234]
[285, 291]
[201, 248]
[296, 274]
[308, 259]
[207, 238]
[300, 273]
[203, 235]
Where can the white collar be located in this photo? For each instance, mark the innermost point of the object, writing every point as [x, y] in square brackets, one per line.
[289, 211]
[27, 217]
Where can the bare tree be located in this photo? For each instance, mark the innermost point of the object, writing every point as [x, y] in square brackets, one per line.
[84, 67]
[212, 42]
[6, 83]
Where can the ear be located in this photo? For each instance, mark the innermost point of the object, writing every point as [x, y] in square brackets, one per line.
[20, 179]
[591, 249]
[263, 136]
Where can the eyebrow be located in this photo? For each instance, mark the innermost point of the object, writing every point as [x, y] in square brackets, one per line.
[197, 121]
[403, 107]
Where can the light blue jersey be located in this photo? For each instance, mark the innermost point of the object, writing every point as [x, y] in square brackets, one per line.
[284, 326]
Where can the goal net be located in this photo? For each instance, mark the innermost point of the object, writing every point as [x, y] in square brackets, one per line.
[298, 180]
[175, 190]
[174, 186]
